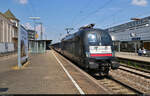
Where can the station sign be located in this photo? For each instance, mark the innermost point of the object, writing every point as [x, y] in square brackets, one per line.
[36, 36]
[136, 38]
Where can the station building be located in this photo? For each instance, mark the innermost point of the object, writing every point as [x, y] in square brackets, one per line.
[8, 31]
[131, 36]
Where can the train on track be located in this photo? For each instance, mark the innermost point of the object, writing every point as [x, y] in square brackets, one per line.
[90, 48]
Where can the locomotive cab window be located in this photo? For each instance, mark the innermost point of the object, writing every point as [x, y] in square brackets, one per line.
[92, 38]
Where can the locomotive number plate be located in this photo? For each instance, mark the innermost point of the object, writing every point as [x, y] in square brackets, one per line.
[100, 49]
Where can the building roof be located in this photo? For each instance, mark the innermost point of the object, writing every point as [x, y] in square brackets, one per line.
[3, 15]
[31, 30]
[10, 15]
[131, 24]
[41, 40]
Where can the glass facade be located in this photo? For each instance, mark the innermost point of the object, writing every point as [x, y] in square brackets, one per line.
[131, 36]
[128, 46]
[37, 46]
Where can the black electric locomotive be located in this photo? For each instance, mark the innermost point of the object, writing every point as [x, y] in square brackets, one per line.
[90, 48]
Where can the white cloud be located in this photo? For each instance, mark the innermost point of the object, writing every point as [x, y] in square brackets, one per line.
[140, 2]
[22, 1]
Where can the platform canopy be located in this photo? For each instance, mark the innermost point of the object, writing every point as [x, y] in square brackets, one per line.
[39, 46]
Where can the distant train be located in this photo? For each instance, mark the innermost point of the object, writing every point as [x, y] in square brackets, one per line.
[90, 48]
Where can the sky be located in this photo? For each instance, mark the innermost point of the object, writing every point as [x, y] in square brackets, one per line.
[56, 15]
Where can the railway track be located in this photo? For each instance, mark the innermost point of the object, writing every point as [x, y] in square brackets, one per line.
[117, 83]
[142, 65]
[132, 70]
[138, 78]
[136, 81]
[142, 70]
[115, 86]
[131, 80]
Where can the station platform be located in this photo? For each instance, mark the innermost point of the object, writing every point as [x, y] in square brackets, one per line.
[132, 56]
[44, 74]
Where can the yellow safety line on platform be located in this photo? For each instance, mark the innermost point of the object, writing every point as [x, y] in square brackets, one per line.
[17, 68]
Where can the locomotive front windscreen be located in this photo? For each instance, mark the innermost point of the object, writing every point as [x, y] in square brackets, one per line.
[100, 38]
[92, 37]
[99, 44]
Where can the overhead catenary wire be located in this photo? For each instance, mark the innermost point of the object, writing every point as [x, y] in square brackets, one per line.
[129, 16]
[93, 12]
[81, 11]
[113, 15]
[32, 8]
[30, 14]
